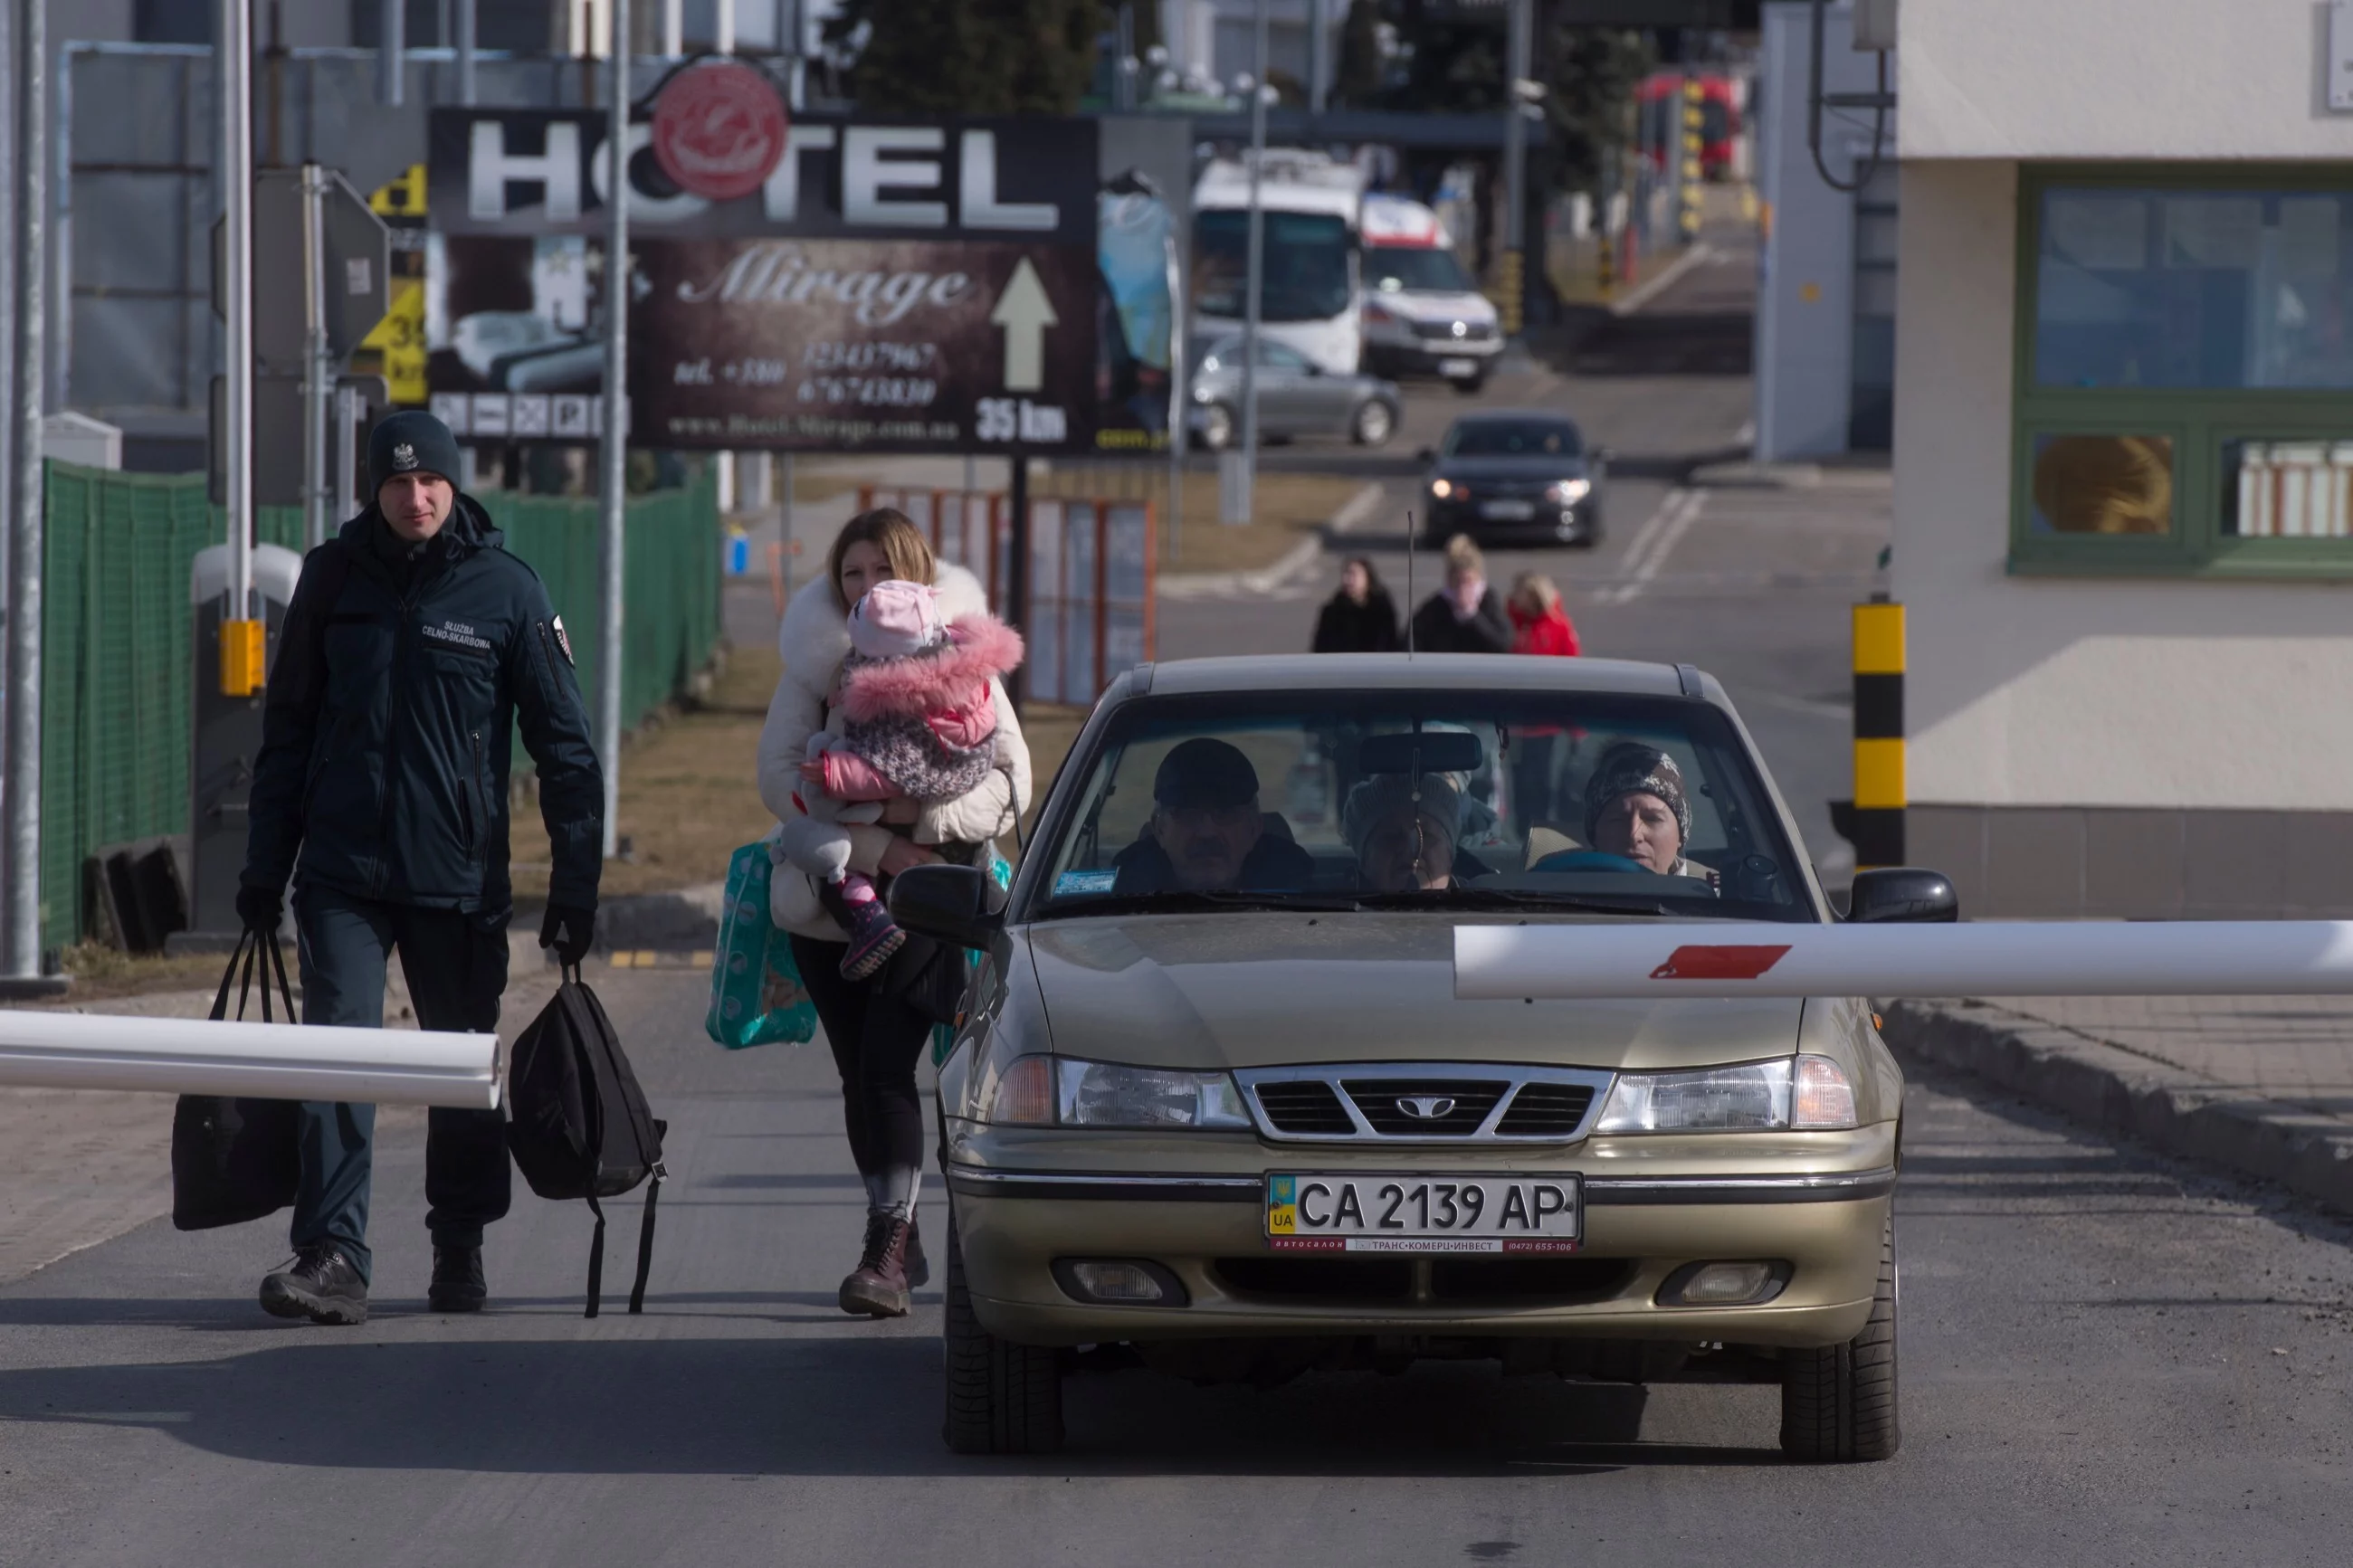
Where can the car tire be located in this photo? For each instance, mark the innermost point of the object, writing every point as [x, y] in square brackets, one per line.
[1838, 1403]
[1002, 1398]
[1372, 424]
[1218, 427]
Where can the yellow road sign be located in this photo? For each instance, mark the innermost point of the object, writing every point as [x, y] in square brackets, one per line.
[400, 339]
[403, 197]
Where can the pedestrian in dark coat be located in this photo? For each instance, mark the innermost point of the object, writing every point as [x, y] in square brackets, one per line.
[413, 648]
[1360, 617]
[1466, 616]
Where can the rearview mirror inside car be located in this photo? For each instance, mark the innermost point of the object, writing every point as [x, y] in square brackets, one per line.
[958, 904]
[1428, 751]
[1905, 894]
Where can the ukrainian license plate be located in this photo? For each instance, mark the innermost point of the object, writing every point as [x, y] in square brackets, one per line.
[1458, 367]
[1307, 1212]
[1508, 511]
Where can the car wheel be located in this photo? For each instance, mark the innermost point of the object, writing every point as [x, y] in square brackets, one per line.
[1372, 424]
[1838, 1402]
[1003, 1398]
[1217, 427]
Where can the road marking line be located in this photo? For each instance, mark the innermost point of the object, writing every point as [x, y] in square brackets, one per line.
[1697, 256]
[1651, 547]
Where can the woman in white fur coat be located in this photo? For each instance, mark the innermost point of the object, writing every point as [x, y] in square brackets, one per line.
[877, 1032]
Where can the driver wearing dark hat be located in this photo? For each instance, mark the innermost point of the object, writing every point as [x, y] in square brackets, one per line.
[1208, 832]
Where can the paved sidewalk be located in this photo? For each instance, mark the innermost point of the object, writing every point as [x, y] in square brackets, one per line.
[2263, 1085]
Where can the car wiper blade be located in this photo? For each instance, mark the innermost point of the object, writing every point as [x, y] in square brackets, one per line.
[1179, 899]
[1476, 898]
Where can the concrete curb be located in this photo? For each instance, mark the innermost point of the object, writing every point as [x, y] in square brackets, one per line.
[2118, 1090]
[1267, 579]
[1751, 476]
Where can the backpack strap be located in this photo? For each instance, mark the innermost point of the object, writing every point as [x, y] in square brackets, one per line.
[646, 1242]
[596, 1260]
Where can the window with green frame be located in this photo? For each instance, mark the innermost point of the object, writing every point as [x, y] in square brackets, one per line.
[2184, 400]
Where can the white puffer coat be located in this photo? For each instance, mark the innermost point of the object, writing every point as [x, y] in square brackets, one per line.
[813, 639]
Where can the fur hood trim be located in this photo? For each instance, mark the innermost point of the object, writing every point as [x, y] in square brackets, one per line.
[979, 649]
[815, 637]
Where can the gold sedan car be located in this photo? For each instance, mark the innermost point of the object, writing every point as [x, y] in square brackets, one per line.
[1214, 1101]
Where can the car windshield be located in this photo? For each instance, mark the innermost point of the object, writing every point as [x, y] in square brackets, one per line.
[1413, 269]
[1514, 438]
[1305, 262]
[1580, 801]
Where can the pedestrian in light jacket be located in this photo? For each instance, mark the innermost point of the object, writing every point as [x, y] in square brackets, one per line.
[413, 648]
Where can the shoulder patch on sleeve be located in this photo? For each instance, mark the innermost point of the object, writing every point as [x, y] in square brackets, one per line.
[563, 640]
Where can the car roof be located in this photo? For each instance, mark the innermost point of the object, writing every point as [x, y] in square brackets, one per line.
[1419, 672]
[1515, 416]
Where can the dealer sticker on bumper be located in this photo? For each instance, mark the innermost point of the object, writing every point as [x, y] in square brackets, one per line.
[1307, 1212]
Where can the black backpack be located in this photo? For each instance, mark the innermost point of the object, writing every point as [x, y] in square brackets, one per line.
[578, 1124]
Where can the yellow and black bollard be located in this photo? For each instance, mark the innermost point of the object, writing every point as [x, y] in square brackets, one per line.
[1877, 826]
[1687, 221]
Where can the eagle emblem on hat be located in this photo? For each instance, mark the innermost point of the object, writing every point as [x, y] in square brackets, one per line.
[404, 458]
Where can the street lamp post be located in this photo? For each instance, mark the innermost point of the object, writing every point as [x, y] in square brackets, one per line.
[614, 453]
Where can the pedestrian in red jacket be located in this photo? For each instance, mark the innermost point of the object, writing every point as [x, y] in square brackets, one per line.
[1539, 624]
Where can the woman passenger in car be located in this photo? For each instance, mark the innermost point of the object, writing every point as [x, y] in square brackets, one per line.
[1635, 806]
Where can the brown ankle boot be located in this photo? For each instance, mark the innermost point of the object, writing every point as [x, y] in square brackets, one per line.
[877, 1287]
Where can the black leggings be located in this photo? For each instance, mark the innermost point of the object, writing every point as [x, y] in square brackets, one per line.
[877, 1039]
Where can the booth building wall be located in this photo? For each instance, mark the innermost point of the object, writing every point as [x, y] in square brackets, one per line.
[2087, 745]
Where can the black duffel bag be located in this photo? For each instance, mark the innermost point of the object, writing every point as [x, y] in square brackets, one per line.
[234, 1159]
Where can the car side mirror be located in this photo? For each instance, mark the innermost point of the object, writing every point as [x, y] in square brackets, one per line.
[1426, 457]
[1900, 894]
[956, 904]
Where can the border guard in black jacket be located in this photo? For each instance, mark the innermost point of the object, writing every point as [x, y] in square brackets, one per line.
[413, 648]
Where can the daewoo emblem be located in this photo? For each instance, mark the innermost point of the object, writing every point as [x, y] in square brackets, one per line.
[1426, 1107]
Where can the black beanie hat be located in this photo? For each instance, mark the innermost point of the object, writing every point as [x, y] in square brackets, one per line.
[411, 442]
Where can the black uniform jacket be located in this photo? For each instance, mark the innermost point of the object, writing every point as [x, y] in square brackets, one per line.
[386, 728]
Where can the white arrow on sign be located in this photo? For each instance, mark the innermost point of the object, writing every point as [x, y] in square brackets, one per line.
[1025, 312]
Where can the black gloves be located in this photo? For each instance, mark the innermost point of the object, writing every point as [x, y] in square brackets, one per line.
[260, 908]
[569, 930]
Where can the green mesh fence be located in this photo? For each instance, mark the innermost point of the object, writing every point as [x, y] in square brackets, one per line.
[116, 676]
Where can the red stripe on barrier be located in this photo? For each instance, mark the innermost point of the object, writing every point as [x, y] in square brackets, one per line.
[1718, 963]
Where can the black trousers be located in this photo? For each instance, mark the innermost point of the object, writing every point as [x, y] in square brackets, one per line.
[878, 1036]
[456, 966]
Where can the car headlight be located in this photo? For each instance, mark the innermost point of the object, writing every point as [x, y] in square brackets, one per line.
[1802, 1093]
[1107, 1094]
[1444, 488]
[1569, 491]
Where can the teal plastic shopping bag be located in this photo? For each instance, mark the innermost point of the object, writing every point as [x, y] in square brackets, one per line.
[756, 995]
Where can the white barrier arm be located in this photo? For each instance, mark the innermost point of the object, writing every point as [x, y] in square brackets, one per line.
[2169, 958]
[266, 1062]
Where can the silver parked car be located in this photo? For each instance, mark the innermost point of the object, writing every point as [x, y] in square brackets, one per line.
[1296, 396]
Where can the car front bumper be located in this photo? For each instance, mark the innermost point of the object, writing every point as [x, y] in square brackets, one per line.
[1575, 523]
[1208, 1228]
[1428, 356]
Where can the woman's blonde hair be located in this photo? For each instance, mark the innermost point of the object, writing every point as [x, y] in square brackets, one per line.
[1533, 594]
[892, 531]
[1463, 558]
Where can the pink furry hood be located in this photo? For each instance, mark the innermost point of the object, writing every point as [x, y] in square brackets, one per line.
[980, 647]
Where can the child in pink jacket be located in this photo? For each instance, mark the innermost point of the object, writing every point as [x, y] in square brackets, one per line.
[912, 717]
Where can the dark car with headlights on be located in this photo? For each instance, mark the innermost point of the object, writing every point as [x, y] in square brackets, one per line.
[1515, 477]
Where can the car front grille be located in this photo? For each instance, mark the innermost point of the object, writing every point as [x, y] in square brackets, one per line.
[1451, 1282]
[1409, 1102]
[1307, 1108]
[1472, 333]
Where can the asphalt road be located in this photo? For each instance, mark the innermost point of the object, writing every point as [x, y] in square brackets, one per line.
[2106, 1360]
[1751, 586]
